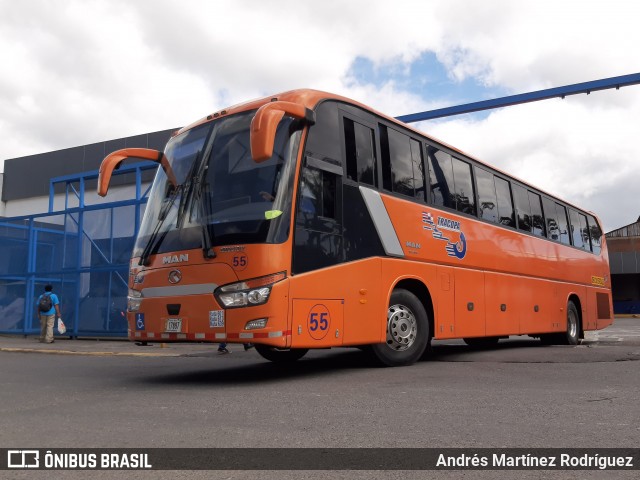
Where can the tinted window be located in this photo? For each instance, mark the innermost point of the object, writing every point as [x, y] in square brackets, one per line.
[418, 170]
[523, 208]
[537, 220]
[487, 199]
[505, 202]
[596, 235]
[463, 181]
[360, 152]
[582, 230]
[401, 163]
[317, 197]
[576, 233]
[441, 178]
[322, 141]
[563, 224]
[549, 206]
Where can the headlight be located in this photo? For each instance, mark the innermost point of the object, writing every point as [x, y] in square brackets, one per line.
[134, 299]
[249, 292]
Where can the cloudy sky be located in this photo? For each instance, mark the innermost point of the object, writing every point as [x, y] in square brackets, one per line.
[81, 71]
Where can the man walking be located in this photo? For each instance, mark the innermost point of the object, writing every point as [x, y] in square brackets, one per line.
[48, 309]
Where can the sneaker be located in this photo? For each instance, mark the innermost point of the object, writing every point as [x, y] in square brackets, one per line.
[223, 350]
[247, 346]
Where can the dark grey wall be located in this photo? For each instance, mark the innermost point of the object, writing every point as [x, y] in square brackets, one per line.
[29, 176]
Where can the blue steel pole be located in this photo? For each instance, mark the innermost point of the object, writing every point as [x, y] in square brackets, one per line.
[561, 92]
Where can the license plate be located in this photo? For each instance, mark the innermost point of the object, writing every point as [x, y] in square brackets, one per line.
[216, 318]
[173, 325]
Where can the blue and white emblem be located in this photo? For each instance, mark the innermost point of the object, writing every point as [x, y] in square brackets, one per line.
[139, 321]
[447, 230]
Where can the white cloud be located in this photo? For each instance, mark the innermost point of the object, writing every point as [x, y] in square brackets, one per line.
[76, 72]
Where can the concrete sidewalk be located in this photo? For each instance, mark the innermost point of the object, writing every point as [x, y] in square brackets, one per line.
[104, 346]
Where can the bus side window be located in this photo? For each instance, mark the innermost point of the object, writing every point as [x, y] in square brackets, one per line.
[360, 152]
[418, 170]
[463, 184]
[400, 163]
[596, 235]
[553, 233]
[317, 194]
[402, 170]
[441, 178]
[584, 232]
[537, 220]
[563, 224]
[487, 199]
[523, 208]
[505, 202]
[576, 231]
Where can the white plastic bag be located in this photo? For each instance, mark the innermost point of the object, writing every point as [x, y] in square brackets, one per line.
[61, 327]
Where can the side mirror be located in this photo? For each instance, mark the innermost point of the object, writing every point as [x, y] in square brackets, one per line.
[112, 162]
[265, 123]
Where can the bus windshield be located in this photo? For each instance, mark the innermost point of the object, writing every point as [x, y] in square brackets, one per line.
[221, 196]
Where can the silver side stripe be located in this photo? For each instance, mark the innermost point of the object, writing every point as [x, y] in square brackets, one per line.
[174, 290]
[382, 222]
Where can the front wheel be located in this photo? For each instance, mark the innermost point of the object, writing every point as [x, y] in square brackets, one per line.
[280, 356]
[407, 331]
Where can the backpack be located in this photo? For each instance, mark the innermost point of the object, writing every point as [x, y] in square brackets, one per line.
[45, 303]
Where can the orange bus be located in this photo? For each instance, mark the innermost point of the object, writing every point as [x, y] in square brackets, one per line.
[307, 220]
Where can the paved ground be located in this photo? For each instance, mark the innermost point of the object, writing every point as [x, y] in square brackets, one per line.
[520, 394]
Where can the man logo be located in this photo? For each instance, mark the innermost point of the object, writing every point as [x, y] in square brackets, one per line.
[175, 276]
[175, 259]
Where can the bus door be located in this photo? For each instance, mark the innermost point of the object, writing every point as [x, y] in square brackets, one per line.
[318, 305]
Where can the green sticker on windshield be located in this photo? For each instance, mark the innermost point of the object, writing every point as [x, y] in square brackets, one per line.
[271, 214]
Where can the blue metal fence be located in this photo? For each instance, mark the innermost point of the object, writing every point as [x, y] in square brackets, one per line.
[83, 250]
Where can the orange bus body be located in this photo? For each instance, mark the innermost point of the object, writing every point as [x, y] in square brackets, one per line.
[485, 281]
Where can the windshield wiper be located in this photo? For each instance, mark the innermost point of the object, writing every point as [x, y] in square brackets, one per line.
[186, 188]
[154, 242]
[204, 214]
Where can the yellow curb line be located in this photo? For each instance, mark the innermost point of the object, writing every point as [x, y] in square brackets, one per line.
[98, 354]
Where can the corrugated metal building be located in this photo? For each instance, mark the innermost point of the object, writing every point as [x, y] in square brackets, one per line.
[54, 229]
[624, 257]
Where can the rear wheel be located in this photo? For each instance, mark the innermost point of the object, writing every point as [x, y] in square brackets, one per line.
[407, 331]
[572, 335]
[281, 356]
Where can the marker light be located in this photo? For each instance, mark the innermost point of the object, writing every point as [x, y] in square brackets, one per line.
[255, 324]
[251, 292]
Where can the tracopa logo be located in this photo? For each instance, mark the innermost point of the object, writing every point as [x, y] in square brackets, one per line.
[23, 459]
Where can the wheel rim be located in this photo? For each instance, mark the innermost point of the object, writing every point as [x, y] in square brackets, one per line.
[402, 328]
[572, 324]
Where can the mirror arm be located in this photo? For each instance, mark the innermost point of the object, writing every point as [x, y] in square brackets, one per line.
[265, 123]
[113, 161]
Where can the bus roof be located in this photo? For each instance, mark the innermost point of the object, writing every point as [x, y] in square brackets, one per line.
[311, 98]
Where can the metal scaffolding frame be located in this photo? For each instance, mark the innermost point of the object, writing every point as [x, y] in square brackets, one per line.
[60, 248]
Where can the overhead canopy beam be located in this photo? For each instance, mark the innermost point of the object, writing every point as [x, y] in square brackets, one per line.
[586, 87]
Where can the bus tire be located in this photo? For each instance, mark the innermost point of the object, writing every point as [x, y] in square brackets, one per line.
[407, 331]
[280, 356]
[481, 342]
[572, 335]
